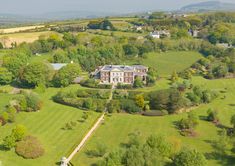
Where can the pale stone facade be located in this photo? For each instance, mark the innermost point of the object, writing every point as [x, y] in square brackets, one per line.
[113, 74]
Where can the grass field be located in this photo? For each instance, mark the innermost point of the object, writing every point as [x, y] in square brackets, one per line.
[7, 39]
[46, 125]
[116, 128]
[168, 62]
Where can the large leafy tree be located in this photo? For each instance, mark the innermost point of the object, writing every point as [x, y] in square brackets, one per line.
[35, 74]
[66, 75]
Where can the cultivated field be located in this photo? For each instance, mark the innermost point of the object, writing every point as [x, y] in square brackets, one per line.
[7, 39]
[19, 29]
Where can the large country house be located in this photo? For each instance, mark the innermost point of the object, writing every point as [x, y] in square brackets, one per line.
[113, 74]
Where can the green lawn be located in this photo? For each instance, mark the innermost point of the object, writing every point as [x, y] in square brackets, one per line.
[168, 62]
[116, 128]
[46, 125]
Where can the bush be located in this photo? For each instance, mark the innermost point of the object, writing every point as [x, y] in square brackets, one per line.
[120, 94]
[124, 86]
[91, 83]
[189, 158]
[104, 86]
[34, 103]
[212, 115]
[130, 106]
[114, 106]
[29, 148]
[153, 113]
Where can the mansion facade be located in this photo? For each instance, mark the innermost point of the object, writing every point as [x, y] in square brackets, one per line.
[113, 74]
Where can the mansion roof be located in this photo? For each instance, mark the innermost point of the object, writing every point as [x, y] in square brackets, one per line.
[122, 68]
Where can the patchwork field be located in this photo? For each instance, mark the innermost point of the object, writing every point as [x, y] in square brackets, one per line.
[7, 39]
[116, 128]
[18, 29]
[47, 126]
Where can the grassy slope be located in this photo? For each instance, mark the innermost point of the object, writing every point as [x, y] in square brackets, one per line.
[46, 125]
[117, 127]
[168, 62]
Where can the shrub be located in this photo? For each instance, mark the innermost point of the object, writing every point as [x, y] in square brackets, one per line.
[189, 158]
[138, 83]
[130, 106]
[212, 115]
[153, 113]
[104, 86]
[91, 83]
[34, 103]
[120, 94]
[28, 101]
[124, 86]
[188, 123]
[17, 134]
[29, 148]
[114, 106]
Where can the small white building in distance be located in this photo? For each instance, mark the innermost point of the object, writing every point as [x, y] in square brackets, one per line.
[160, 34]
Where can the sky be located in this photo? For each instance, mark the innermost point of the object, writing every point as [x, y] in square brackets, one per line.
[114, 6]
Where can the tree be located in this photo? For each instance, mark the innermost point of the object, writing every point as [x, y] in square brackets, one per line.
[134, 157]
[139, 99]
[88, 103]
[220, 71]
[19, 132]
[138, 83]
[130, 50]
[66, 75]
[212, 115]
[113, 159]
[33, 102]
[5, 76]
[187, 125]
[174, 77]
[11, 113]
[106, 25]
[232, 121]
[9, 142]
[130, 106]
[1, 46]
[36, 73]
[189, 157]
[60, 56]
[14, 62]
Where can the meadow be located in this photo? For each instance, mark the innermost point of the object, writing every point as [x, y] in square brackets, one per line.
[117, 127]
[171, 61]
[47, 125]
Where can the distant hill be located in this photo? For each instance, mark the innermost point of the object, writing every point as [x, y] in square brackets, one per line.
[7, 20]
[209, 6]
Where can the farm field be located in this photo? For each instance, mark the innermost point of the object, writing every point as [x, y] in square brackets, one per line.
[18, 29]
[116, 127]
[7, 39]
[171, 61]
[47, 126]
